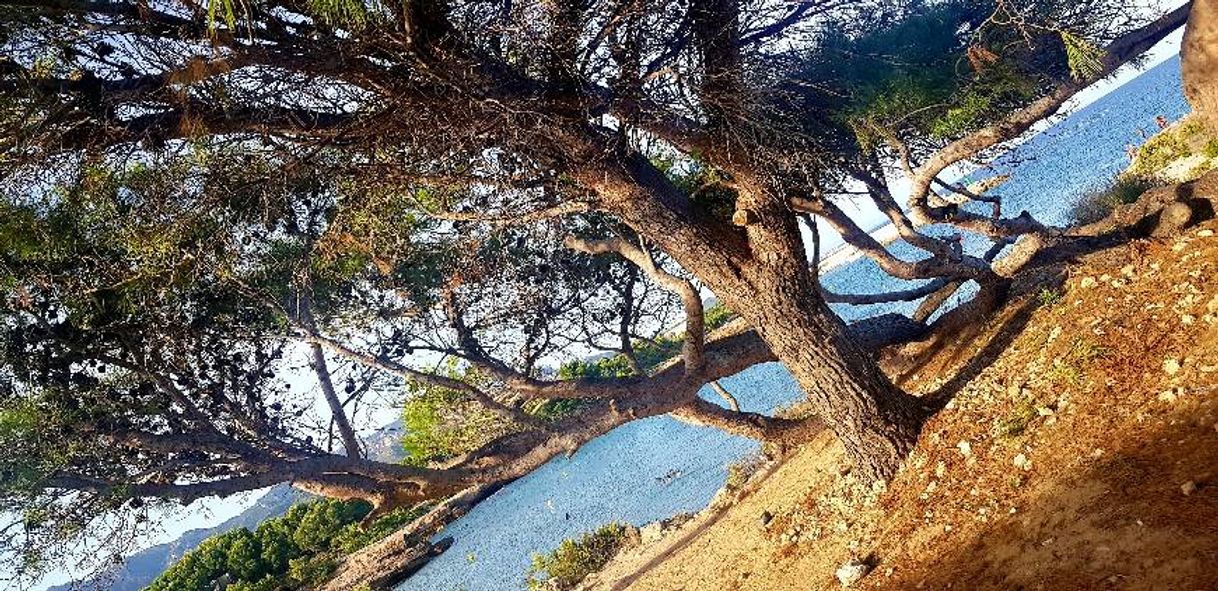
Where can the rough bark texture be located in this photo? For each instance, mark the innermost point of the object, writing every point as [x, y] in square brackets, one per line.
[877, 423]
[764, 275]
[1199, 60]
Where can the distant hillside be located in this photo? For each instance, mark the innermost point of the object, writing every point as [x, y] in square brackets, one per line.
[142, 567]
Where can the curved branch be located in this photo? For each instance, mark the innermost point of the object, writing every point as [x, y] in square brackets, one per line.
[907, 295]
[422, 377]
[304, 317]
[695, 327]
[505, 219]
[760, 427]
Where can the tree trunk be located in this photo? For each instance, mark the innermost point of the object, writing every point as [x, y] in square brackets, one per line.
[763, 274]
[1199, 60]
[877, 423]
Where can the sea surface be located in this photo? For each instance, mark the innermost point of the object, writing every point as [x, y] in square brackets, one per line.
[657, 467]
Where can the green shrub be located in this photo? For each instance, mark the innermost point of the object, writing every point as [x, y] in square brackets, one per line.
[1211, 149]
[439, 424]
[740, 471]
[1161, 150]
[1096, 205]
[353, 538]
[717, 316]
[1017, 421]
[298, 550]
[573, 560]
[1047, 298]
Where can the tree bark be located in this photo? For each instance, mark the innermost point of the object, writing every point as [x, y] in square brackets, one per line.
[877, 423]
[763, 274]
[1199, 60]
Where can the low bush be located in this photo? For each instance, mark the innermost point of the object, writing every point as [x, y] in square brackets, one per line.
[1097, 204]
[740, 471]
[575, 559]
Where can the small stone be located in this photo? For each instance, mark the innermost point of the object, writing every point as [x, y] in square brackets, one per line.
[652, 532]
[966, 449]
[852, 572]
[1021, 461]
[1172, 219]
[765, 519]
[1188, 488]
[1044, 411]
[1206, 233]
[1127, 270]
[1171, 366]
[1167, 396]
[1087, 282]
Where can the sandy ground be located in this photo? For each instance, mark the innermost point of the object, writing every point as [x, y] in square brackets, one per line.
[1079, 451]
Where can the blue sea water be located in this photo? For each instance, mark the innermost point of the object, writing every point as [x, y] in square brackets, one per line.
[622, 475]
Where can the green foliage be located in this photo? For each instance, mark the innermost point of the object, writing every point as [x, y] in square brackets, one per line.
[1017, 421]
[575, 559]
[1096, 205]
[229, 14]
[352, 14]
[353, 538]
[1086, 61]
[553, 410]
[939, 70]
[740, 471]
[439, 424]
[1160, 151]
[1070, 368]
[296, 551]
[991, 94]
[717, 316]
[1211, 149]
[705, 185]
[1047, 298]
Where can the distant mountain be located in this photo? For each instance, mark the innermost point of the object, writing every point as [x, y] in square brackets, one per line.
[141, 568]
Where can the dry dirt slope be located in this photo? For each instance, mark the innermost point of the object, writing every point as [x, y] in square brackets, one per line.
[1080, 451]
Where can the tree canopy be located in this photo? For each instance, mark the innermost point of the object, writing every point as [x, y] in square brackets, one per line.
[459, 203]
